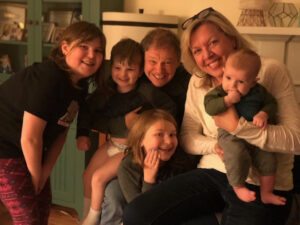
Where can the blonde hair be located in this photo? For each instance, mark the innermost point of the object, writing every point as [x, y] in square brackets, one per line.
[139, 129]
[224, 25]
[245, 59]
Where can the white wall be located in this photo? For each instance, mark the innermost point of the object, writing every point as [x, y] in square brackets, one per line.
[187, 8]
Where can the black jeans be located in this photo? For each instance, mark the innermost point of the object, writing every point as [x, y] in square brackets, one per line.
[192, 198]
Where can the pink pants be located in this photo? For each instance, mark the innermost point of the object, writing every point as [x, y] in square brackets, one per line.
[17, 193]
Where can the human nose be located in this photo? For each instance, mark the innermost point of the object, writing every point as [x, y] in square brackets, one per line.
[234, 85]
[160, 68]
[167, 140]
[91, 53]
[207, 52]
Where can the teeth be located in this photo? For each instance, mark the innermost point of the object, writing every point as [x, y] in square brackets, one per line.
[159, 77]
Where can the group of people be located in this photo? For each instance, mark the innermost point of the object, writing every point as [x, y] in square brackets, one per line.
[216, 134]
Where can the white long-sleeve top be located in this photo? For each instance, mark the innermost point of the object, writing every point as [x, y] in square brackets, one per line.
[199, 132]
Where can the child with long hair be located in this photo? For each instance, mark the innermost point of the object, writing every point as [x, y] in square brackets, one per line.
[153, 154]
[122, 93]
[37, 107]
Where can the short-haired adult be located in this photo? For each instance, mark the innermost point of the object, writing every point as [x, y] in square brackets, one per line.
[164, 70]
[207, 40]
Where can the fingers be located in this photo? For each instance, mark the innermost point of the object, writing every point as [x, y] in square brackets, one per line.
[152, 158]
[219, 151]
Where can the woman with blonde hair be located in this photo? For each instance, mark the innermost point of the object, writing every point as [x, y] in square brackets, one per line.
[207, 40]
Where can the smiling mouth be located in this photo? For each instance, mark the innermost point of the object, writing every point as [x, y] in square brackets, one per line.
[214, 64]
[159, 77]
[88, 63]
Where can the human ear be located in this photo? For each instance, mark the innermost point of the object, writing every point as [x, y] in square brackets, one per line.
[65, 48]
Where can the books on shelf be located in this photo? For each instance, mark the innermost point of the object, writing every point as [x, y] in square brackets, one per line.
[47, 32]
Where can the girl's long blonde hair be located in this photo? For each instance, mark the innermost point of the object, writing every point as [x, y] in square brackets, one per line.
[139, 129]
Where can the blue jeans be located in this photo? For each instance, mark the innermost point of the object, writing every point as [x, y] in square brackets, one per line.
[194, 197]
[113, 204]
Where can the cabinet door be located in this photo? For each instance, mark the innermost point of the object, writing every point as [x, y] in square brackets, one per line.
[66, 178]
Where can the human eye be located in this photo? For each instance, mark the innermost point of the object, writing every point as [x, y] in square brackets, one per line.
[213, 43]
[228, 77]
[131, 69]
[152, 62]
[99, 50]
[83, 46]
[158, 134]
[173, 134]
[196, 51]
[116, 67]
[241, 82]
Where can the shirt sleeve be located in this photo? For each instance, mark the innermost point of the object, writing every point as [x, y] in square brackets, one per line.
[192, 137]
[283, 137]
[130, 179]
[42, 92]
[214, 102]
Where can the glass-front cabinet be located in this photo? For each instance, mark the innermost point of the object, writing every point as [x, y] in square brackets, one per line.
[29, 30]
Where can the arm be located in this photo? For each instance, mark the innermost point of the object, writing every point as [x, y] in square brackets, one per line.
[214, 101]
[130, 179]
[32, 144]
[283, 137]
[51, 157]
[196, 123]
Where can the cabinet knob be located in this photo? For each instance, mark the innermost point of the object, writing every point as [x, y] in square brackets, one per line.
[28, 22]
[35, 22]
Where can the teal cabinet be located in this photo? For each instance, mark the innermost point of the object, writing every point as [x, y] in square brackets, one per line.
[66, 179]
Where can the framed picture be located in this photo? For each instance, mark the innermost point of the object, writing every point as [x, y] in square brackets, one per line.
[61, 18]
[13, 13]
[56, 36]
[48, 29]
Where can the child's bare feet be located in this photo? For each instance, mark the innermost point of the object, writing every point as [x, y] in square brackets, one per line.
[270, 198]
[244, 194]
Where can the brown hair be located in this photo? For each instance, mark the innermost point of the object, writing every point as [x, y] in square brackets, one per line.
[79, 32]
[245, 59]
[127, 50]
[161, 38]
[139, 129]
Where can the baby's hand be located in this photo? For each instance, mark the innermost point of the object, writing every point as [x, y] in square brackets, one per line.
[233, 96]
[151, 164]
[261, 120]
[83, 143]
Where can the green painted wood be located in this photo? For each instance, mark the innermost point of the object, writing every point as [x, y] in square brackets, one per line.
[66, 178]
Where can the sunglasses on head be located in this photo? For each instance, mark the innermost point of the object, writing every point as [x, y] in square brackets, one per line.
[200, 15]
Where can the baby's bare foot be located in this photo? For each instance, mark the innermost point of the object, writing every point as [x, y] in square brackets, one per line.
[244, 194]
[270, 198]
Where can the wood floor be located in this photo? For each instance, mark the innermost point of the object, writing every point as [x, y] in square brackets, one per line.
[58, 216]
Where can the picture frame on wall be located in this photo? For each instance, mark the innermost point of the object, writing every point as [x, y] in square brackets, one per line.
[57, 34]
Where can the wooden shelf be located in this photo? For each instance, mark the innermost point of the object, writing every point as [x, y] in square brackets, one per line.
[13, 42]
[280, 31]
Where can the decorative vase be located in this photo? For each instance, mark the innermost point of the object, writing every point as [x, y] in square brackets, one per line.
[282, 14]
[252, 13]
